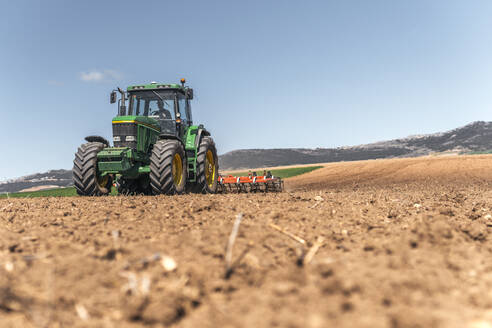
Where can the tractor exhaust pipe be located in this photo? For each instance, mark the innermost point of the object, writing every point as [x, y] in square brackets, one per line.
[122, 103]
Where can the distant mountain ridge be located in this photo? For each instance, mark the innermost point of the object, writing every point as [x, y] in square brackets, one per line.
[60, 178]
[474, 137]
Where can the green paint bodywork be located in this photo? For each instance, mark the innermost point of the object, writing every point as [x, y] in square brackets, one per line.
[139, 119]
[190, 137]
[191, 150]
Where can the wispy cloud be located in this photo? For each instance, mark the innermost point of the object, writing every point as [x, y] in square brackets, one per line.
[100, 75]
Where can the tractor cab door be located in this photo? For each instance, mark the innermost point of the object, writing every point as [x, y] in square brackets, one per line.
[184, 121]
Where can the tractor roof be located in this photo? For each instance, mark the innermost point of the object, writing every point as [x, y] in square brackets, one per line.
[154, 86]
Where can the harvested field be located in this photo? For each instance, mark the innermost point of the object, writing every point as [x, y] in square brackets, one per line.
[388, 243]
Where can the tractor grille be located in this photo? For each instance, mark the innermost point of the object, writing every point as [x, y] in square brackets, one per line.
[109, 159]
[123, 130]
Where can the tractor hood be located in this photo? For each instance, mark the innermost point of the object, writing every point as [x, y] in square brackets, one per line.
[136, 132]
[143, 120]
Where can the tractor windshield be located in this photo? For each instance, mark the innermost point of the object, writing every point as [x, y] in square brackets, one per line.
[154, 103]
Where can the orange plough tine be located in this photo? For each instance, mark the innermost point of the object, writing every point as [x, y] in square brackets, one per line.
[248, 184]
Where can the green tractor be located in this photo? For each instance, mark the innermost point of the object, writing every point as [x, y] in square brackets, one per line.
[156, 148]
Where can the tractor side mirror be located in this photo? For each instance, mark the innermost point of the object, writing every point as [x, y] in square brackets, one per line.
[189, 92]
[112, 97]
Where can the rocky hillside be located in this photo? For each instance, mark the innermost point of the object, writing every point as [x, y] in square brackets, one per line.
[473, 137]
[54, 178]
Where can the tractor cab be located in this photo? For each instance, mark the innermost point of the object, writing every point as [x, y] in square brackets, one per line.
[168, 104]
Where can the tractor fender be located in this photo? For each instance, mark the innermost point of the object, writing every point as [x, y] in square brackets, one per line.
[202, 132]
[170, 136]
[97, 139]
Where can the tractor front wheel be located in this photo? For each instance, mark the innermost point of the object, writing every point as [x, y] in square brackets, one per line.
[86, 178]
[207, 167]
[168, 168]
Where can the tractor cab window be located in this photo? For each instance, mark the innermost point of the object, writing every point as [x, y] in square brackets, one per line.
[182, 109]
[161, 109]
[188, 111]
[158, 104]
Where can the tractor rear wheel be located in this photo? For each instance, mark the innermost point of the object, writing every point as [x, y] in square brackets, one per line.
[168, 168]
[207, 167]
[86, 177]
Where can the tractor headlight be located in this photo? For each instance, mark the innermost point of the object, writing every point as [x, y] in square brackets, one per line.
[117, 139]
[130, 138]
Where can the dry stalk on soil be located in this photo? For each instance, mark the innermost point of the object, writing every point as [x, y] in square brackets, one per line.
[288, 234]
[230, 245]
[5, 207]
[312, 251]
[304, 255]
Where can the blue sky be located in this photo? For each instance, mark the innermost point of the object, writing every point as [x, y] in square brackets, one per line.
[266, 73]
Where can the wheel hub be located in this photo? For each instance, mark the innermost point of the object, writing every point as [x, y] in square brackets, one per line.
[177, 169]
[210, 168]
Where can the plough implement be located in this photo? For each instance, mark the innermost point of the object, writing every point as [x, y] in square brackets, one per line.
[232, 183]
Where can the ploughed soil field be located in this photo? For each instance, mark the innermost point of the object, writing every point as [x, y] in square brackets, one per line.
[384, 243]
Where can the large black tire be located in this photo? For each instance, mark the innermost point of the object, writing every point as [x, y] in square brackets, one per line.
[166, 177]
[206, 172]
[85, 176]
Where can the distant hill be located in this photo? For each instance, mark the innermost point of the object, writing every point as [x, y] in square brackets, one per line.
[474, 137]
[60, 178]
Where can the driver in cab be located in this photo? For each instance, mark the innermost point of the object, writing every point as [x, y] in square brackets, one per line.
[164, 114]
